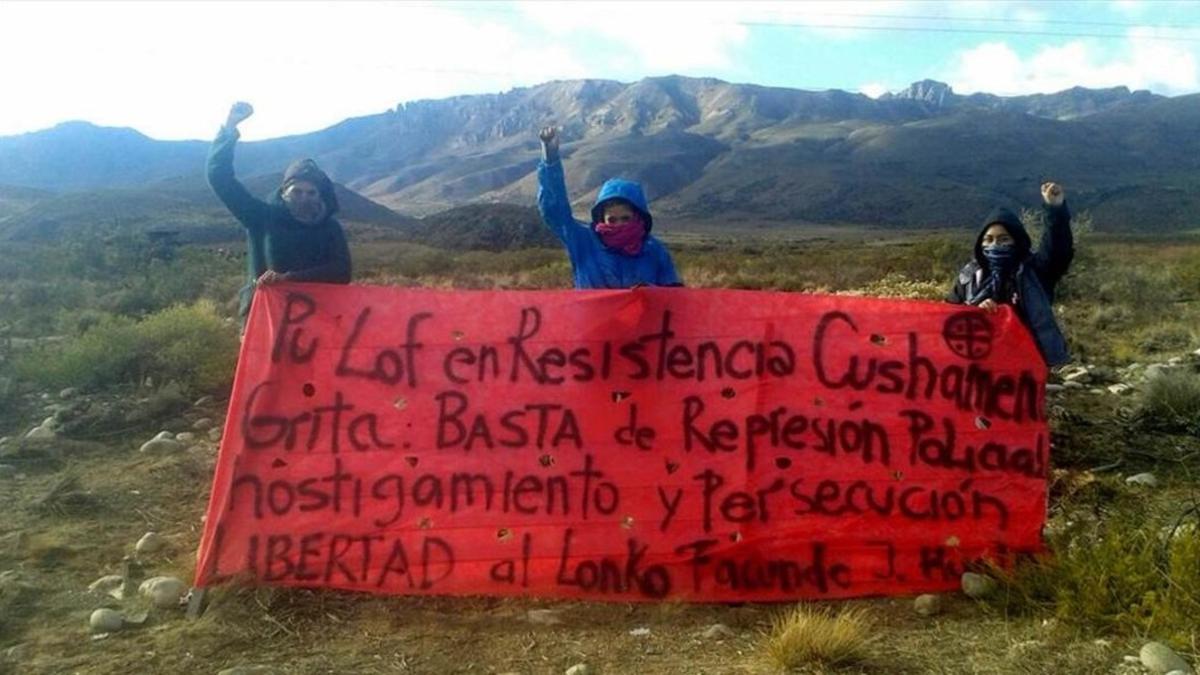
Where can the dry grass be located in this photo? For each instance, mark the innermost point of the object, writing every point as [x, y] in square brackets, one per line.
[807, 635]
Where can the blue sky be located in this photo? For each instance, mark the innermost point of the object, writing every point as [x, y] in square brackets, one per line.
[171, 69]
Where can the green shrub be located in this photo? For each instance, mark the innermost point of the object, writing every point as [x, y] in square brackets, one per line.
[1164, 337]
[1136, 574]
[189, 344]
[1172, 401]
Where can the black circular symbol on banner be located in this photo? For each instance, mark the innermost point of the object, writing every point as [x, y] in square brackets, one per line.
[969, 334]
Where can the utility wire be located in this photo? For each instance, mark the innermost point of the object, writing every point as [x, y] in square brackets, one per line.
[983, 31]
[492, 9]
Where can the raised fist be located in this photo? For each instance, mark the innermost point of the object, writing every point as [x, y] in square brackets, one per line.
[237, 113]
[1052, 193]
[549, 138]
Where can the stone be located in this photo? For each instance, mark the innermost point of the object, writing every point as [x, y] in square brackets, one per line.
[1080, 376]
[163, 435]
[109, 584]
[1055, 388]
[977, 585]
[41, 433]
[1175, 360]
[4, 440]
[164, 592]
[69, 392]
[185, 437]
[718, 631]
[640, 632]
[1157, 370]
[161, 445]
[929, 604]
[151, 542]
[203, 401]
[1120, 389]
[7, 471]
[214, 434]
[579, 669]
[544, 617]
[249, 670]
[1144, 479]
[1073, 385]
[203, 424]
[105, 620]
[1161, 659]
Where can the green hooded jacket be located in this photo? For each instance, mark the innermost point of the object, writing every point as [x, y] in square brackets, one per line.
[274, 239]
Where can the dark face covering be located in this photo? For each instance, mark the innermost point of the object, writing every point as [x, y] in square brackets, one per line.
[1002, 264]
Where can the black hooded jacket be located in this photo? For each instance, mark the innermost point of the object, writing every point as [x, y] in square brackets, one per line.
[1032, 285]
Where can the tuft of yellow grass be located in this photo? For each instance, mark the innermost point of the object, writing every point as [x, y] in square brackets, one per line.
[807, 635]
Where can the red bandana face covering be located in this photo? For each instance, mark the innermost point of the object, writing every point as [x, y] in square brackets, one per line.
[625, 237]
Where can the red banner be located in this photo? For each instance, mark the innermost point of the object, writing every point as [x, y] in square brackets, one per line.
[711, 445]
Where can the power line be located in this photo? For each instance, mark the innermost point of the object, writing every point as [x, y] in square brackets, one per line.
[979, 31]
[492, 9]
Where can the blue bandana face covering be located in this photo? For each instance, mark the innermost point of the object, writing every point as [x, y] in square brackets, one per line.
[1002, 261]
[1000, 256]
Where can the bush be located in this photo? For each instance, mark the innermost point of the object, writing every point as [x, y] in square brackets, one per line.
[189, 344]
[1137, 573]
[806, 635]
[1172, 401]
[1164, 337]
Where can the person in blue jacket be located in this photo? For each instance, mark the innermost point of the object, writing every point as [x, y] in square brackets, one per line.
[1006, 270]
[614, 250]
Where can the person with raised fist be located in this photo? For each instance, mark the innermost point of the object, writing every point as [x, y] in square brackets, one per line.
[291, 236]
[615, 249]
[1007, 271]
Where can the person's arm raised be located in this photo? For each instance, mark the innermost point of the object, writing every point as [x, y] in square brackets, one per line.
[249, 211]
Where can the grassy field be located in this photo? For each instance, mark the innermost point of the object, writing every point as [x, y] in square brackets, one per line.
[146, 331]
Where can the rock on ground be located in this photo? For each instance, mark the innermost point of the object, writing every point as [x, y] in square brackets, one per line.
[105, 621]
[151, 542]
[928, 604]
[1146, 479]
[164, 445]
[1160, 658]
[977, 585]
[164, 592]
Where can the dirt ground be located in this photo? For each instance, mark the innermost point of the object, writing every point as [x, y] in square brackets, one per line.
[78, 507]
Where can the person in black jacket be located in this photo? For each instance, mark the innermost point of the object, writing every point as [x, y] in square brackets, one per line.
[291, 237]
[1006, 270]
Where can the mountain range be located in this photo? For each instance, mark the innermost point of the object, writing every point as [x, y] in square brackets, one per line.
[706, 150]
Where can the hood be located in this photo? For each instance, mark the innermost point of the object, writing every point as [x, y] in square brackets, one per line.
[307, 170]
[1012, 223]
[624, 190]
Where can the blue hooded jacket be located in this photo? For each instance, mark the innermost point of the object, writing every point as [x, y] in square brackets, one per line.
[1035, 277]
[593, 264]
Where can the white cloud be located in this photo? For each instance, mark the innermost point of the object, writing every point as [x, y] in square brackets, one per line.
[654, 36]
[873, 89]
[1129, 7]
[172, 69]
[995, 67]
